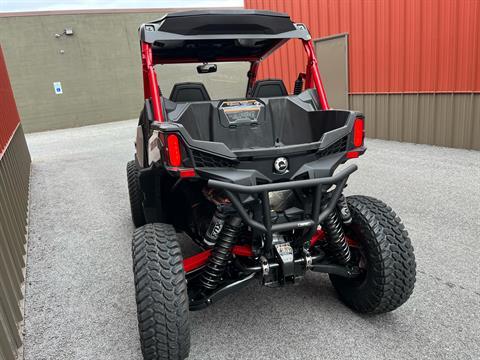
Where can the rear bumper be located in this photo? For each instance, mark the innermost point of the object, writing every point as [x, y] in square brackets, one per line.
[265, 225]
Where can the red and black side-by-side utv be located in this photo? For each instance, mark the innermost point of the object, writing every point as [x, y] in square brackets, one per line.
[256, 182]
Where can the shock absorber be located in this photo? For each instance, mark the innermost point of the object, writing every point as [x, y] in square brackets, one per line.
[221, 253]
[215, 228]
[344, 211]
[337, 243]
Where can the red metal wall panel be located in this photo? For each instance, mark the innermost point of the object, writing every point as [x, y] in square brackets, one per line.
[404, 46]
[9, 118]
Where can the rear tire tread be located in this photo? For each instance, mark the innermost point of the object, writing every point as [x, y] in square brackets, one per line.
[391, 260]
[135, 194]
[161, 293]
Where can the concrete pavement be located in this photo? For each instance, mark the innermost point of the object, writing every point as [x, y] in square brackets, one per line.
[80, 294]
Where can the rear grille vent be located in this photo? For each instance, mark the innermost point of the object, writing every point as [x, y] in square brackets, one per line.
[206, 160]
[336, 147]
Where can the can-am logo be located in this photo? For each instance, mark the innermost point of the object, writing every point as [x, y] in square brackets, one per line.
[281, 165]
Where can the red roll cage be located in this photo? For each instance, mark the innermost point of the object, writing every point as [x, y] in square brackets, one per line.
[151, 90]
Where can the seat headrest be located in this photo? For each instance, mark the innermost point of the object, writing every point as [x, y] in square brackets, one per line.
[269, 88]
[189, 92]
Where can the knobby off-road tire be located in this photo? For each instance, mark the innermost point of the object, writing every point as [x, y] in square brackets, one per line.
[161, 293]
[135, 194]
[388, 259]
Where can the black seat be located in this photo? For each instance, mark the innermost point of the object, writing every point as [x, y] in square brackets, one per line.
[269, 88]
[188, 92]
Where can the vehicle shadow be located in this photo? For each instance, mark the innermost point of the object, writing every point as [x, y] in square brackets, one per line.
[259, 322]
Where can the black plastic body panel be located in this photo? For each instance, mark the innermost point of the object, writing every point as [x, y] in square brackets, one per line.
[282, 121]
[314, 142]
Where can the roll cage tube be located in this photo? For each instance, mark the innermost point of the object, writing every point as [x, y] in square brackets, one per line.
[150, 84]
[151, 90]
[313, 74]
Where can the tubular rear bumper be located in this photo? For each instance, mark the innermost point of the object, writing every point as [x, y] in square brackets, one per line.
[266, 226]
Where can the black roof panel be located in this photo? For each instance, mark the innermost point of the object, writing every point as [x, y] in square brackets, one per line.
[219, 35]
[205, 22]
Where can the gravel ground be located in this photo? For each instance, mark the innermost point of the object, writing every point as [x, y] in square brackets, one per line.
[80, 295]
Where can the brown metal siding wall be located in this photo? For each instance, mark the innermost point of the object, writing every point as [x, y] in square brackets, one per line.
[14, 188]
[414, 65]
[451, 120]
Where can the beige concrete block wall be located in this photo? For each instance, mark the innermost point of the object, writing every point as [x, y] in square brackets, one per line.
[99, 69]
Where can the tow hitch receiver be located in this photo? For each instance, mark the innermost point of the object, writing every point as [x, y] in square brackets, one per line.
[287, 265]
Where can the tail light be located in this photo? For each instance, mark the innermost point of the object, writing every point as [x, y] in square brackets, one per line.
[174, 151]
[358, 136]
[358, 132]
[174, 156]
